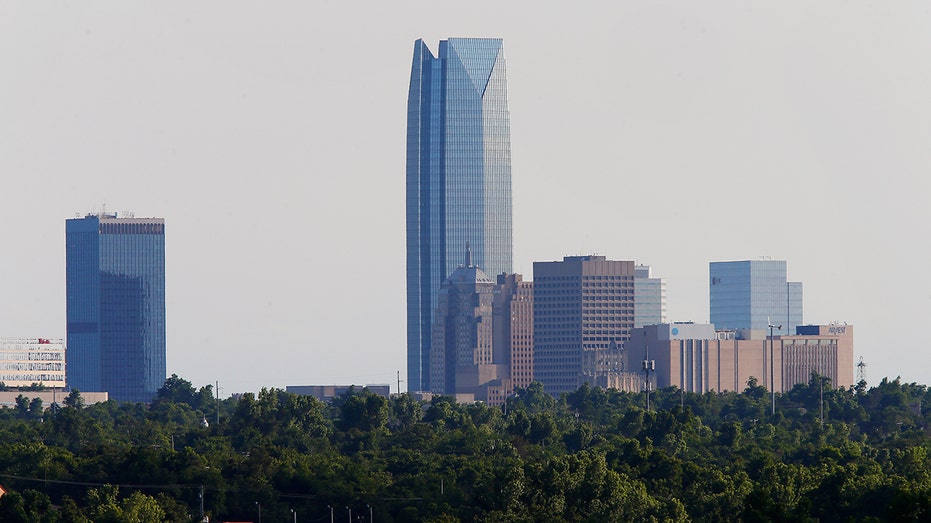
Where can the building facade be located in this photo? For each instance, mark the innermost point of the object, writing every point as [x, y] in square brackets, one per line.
[512, 321]
[115, 280]
[698, 358]
[751, 294]
[649, 297]
[464, 359]
[458, 178]
[583, 312]
[25, 361]
[825, 349]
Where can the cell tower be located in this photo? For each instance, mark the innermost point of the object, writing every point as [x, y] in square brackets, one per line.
[861, 371]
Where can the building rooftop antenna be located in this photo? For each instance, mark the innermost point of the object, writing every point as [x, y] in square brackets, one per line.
[861, 371]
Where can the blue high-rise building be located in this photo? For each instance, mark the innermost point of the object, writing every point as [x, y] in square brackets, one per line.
[116, 305]
[751, 294]
[458, 178]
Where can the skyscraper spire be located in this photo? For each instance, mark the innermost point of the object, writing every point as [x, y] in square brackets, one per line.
[468, 260]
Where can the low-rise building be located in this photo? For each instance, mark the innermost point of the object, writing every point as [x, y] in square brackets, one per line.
[328, 392]
[698, 358]
[48, 397]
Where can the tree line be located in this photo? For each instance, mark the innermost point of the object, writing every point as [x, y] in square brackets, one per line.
[827, 454]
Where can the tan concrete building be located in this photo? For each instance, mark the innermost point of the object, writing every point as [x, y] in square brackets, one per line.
[697, 358]
[512, 320]
[825, 349]
[482, 346]
[513, 324]
[24, 361]
[8, 397]
[583, 312]
[463, 359]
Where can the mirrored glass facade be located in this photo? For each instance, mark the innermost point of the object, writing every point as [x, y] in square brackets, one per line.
[749, 294]
[115, 275]
[458, 177]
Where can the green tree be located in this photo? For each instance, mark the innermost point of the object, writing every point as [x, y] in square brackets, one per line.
[36, 409]
[104, 507]
[141, 508]
[13, 508]
[74, 399]
[754, 389]
[176, 390]
[405, 410]
[22, 406]
[364, 412]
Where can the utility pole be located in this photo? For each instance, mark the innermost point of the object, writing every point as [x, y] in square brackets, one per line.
[648, 367]
[772, 366]
[821, 396]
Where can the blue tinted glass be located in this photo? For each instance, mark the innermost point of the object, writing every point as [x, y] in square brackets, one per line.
[116, 306]
[752, 294]
[458, 177]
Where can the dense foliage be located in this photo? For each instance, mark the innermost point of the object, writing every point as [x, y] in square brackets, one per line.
[594, 455]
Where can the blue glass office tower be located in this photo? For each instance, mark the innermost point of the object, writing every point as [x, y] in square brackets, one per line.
[458, 177]
[116, 305]
[749, 294]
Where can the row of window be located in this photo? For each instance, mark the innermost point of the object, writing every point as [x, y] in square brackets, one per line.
[7, 365]
[32, 356]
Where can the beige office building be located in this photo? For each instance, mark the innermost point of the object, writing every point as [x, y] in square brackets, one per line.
[24, 361]
[583, 310]
[482, 335]
[825, 349]
[512, 322]
[462, 356]
[697, 358]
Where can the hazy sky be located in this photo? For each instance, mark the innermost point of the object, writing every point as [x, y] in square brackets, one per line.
[270, 136]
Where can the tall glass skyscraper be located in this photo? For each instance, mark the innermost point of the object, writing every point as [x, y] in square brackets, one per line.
[458, 177]
[749, 294]
[115, 273]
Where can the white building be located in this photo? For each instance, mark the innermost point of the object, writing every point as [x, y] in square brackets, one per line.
[24, 361]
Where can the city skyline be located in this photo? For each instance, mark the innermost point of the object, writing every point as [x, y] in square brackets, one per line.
[669, 134]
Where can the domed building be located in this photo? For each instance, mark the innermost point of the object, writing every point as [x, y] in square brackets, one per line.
[463, 360]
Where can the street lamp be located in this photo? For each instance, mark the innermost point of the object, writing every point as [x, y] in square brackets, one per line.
[350, 514]
[295, 515]
[772, 365]
[370, 513]
[260, 510]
